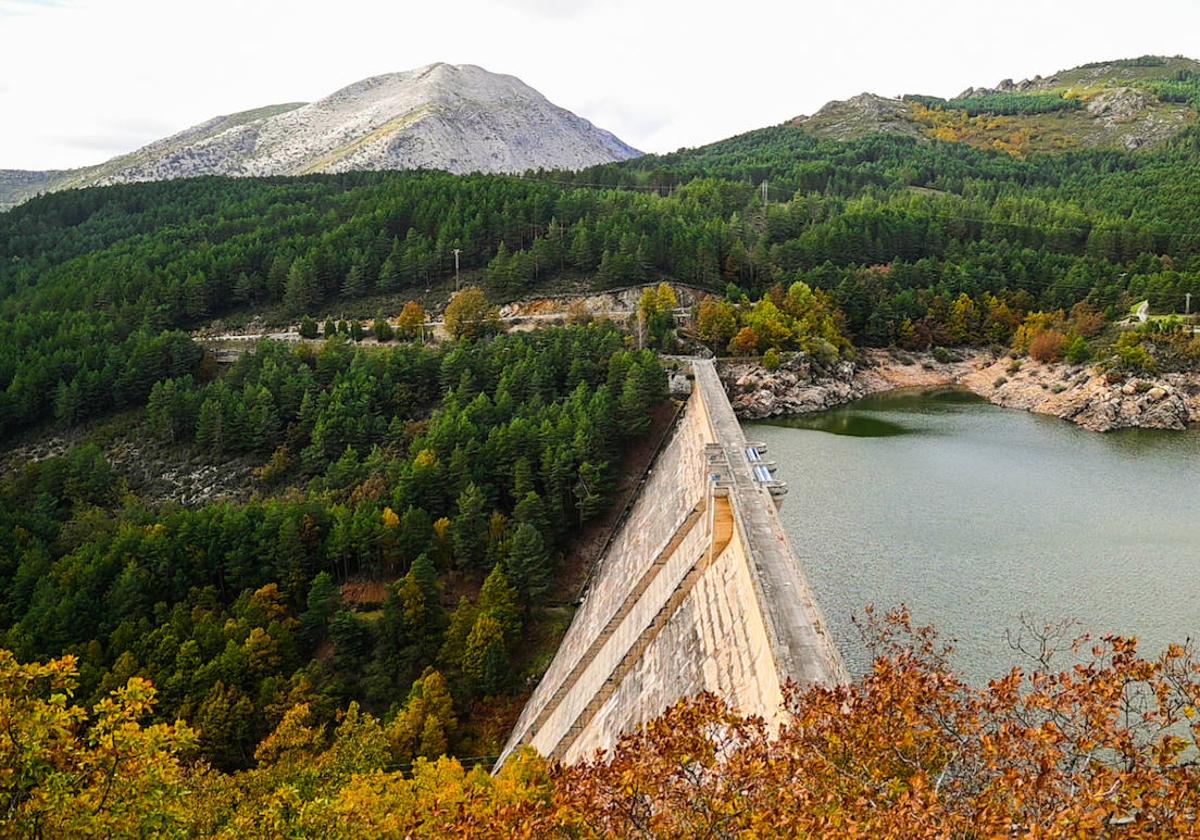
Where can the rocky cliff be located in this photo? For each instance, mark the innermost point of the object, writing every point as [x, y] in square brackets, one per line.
[1081, 394]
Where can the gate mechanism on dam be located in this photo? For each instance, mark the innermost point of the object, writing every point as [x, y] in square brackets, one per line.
[699, 590]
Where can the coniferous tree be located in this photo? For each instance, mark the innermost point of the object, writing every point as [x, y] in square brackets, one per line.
[355, 284]
[528, 563]
[303, 286]
[470, 528]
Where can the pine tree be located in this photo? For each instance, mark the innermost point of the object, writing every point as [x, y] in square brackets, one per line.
[355, 284]
[470, 529]
[420, 596]
[459, 629]
[248, 288]
[581, 253]
[324, 600]
[528, 563]
[303, 291]
[209, 433]
[499, 270]
[389, 272]
[499, 600]
[487, 636]
[531, 509]
[224, 719]
[497, 670]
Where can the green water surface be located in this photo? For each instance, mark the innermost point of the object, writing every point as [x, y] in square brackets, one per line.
[975, 516]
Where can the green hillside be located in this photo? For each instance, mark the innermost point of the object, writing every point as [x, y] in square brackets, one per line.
[1125, 104]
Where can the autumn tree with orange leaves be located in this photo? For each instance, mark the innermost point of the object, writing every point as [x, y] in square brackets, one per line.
[1104, 747]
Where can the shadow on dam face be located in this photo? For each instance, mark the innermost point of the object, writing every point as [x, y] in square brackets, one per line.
[699, 590]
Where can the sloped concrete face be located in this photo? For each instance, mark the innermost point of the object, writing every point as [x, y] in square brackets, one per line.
[698, 591]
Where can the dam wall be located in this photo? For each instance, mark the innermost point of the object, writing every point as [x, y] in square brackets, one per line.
[697, 591]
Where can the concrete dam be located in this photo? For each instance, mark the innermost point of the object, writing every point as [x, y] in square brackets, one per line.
[699, 590]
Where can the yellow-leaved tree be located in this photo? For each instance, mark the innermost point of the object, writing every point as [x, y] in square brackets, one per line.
[68, 772]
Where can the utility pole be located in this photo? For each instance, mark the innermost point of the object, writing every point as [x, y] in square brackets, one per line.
[456, 253]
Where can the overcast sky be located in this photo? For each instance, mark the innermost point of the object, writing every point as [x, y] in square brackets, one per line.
[83, 80]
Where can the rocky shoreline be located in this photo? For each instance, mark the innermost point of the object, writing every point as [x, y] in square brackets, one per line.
[1077, 393]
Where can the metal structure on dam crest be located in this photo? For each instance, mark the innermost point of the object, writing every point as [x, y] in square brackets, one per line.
[699, 590]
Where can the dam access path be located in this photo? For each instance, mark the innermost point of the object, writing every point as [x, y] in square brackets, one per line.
[698, 590]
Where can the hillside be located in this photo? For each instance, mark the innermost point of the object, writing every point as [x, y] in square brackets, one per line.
[1125, 104]
[457, 118]
[376, 486]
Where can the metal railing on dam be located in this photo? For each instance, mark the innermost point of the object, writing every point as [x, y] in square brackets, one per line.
[699, 590]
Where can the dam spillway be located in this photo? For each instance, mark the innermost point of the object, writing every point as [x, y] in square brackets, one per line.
[698, 590]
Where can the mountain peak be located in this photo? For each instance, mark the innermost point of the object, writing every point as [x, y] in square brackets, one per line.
[457, 117]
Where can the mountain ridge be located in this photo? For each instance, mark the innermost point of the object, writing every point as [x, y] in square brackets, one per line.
[462, 118]
[459, 118]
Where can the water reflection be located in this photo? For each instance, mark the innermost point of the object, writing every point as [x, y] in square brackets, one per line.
[875, 416]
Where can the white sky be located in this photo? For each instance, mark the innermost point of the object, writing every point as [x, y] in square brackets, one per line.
[83, 80]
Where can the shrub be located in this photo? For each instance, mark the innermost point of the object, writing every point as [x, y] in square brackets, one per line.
[998, 381]
[382, 329]
[942, 355]
[1078, 351]
[771, 359]
[308, 327]
[1048, 346]
[1086, 319]
[822, 351]
[745, 343]
[1132, 355]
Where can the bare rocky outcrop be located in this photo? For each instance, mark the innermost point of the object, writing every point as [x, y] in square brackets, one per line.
[1119, 104]
[156, 472]
[866, 113]
[1087, 397]
[803, 384]
[1081, 394]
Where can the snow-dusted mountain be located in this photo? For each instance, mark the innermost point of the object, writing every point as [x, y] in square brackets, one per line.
[459, 118]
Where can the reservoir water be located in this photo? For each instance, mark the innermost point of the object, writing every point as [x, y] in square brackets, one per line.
[974, 515]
